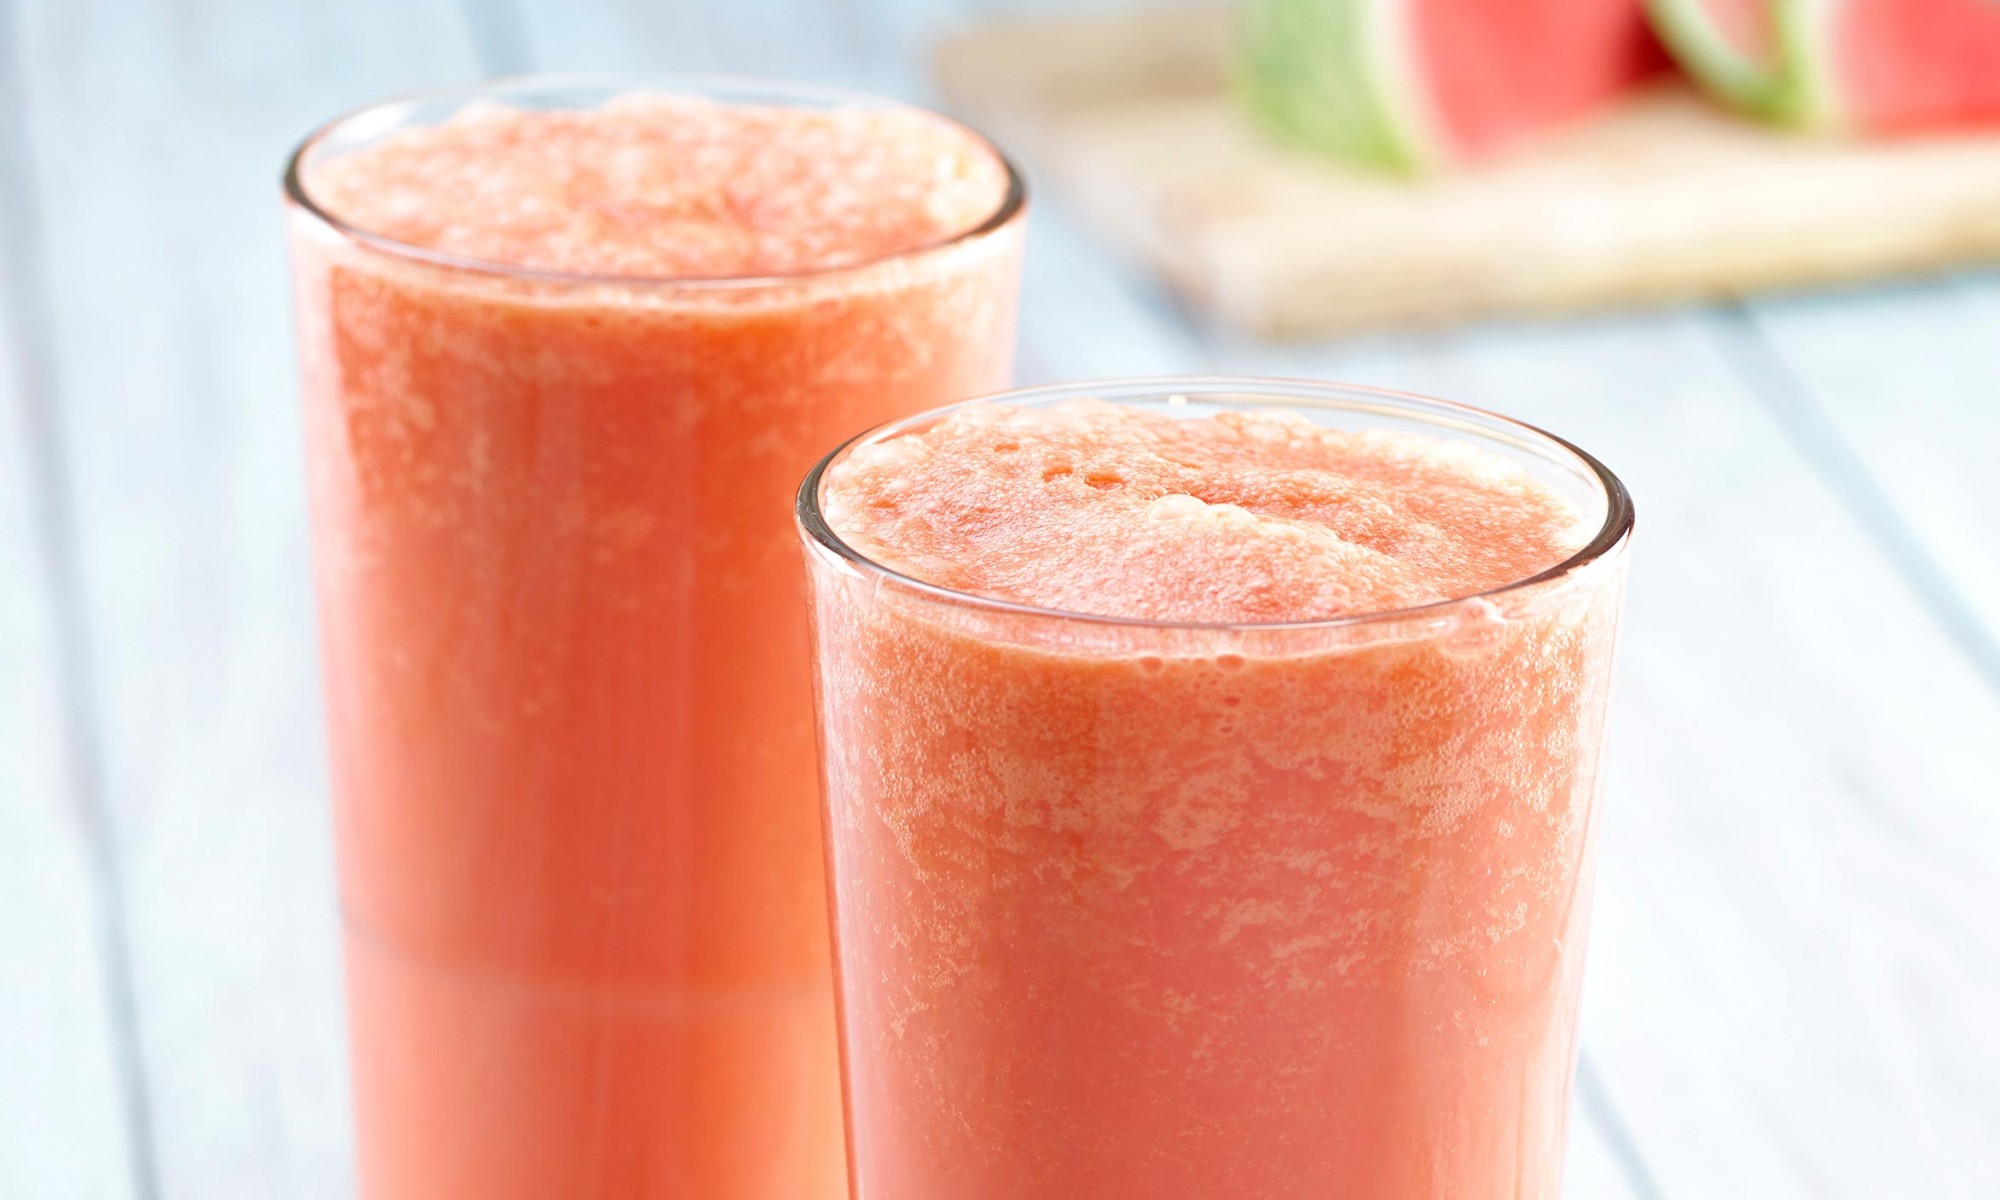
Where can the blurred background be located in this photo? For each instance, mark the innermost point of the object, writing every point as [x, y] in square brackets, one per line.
[1795, 971]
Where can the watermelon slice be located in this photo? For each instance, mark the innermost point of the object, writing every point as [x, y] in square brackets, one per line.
[1865, 66]
[1415, 83]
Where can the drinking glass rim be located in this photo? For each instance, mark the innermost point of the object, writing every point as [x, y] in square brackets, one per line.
[1616, 529]
[721, 86]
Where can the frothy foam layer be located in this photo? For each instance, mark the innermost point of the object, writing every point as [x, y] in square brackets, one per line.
[1086, 506]
[655, 184]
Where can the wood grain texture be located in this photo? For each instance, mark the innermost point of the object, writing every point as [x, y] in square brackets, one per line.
[778, 39]
[158, 131]
[1901, 387]
[1666, 198]
[1795, 964]
[63, 1116]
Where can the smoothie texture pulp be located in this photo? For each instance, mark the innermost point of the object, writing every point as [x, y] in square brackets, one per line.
[565, 353]
[1210, 792]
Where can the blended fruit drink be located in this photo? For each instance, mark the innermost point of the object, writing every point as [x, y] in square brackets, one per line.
[566, 351]
[1210, 782]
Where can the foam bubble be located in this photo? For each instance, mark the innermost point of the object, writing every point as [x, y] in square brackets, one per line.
[656, 184]
[1089, 506]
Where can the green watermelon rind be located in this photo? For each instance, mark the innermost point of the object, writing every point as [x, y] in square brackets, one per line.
[1805, 27]
[1335, 76]
[1795, 88]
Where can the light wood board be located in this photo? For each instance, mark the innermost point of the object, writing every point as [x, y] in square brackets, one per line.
[1664, 198]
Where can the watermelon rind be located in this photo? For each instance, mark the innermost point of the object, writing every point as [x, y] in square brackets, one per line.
[1794, 87]
[1805, 30]
[1337, 76]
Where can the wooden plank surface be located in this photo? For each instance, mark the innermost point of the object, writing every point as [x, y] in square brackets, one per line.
[158, 131]
[63, 1113]
[1795, 963]
[1662, 198]
[1901, 389]
[814, 41]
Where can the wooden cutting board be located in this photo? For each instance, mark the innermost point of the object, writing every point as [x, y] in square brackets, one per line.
[1666, 198]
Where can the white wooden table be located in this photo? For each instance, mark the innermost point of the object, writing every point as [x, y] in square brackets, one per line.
[1795, 979]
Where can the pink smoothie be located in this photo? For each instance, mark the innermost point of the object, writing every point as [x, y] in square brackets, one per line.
[566, 662]
[1131, 903]
[670, 186]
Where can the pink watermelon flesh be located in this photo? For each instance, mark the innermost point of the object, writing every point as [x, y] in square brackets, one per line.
[1897, 65]
[1918, 64]
[1411, 84]
[1497, 70]
[1745, 25]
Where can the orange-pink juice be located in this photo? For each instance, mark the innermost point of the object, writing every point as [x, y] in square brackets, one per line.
[565, 357]
[1210, 798]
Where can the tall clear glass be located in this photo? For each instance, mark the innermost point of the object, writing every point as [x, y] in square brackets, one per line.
[567, 680]
[1125, 908]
